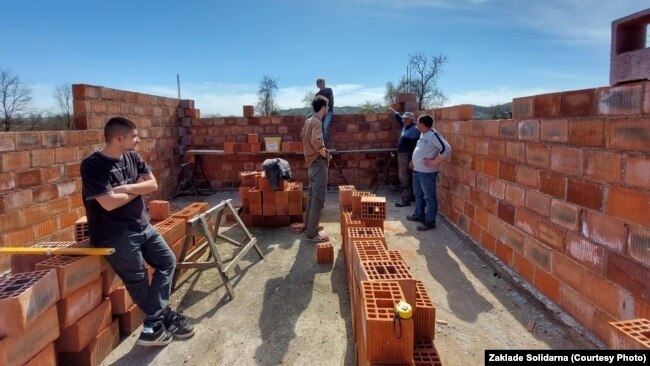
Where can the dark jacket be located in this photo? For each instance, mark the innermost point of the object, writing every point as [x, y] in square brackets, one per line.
[276, 169]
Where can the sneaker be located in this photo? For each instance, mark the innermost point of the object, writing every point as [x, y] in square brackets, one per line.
[426, 226]
[179, 326]
[156, 336]
[415, 218]
[402, 204]
[319, 238]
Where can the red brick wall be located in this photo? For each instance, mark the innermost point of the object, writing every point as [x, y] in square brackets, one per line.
[40, 186]
[561, 194]
[347, 132]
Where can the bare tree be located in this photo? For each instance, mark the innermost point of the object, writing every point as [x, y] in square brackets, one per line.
[308, 98]
[422, 80]
[266, 96]
[63, 96]
[15, 97]
[371, 107]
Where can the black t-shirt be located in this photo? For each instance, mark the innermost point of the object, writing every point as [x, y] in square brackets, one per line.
[99, 174]
[327, 93]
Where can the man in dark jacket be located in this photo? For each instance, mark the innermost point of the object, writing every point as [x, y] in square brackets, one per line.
[408, 138]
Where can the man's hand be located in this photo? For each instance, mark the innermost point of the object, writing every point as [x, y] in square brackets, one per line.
[411, 164]
[430, 163]
[323, 152]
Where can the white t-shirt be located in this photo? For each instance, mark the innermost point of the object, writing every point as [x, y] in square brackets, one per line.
[430, 144]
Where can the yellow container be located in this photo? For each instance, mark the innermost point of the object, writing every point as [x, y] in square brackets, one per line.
[272, 144]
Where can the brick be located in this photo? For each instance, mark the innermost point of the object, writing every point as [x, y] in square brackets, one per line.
[524, 267]
[110, 281]
[7, 181]
[605, 230]
[628, 134]
[525, 221]
[46, 357]
[578, 103]
[538, 155]
[96, 351]
[504, 252]
[121, 300]
[553, 184]
[551, 235]
[77, 304]
[554, 130]
[527, 176]
[567, 160]
[23, 298]
[515, 196]
[577, 306]
[28, 140]
[569, 272]
[585, 252]
[159, 210]
[497, 189]
[15, 200]
[609, 297]
[424, 320]
[378, 337]
[324, 253]
[631, 334]
[523, 107]
[629, 274]
[637, 171]
[547, 105]
[603, 165]
[507, 171]
[538, 253]
[628, 204]
[506, 213]
[497, 149]
[565, 214]
[8, 141]
[624, 100]
[548, 284]
[73, 272]
[588, 132]
[639, 243]
[20, 349]
[14, 161]
[508, 130]
[538, 202]
[528, 130]
[585, 193]
[514, 238]
[78, 335]
[491, 167]
[131, 320]
[515, 151]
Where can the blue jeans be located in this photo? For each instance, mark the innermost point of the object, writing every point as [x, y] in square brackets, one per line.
[133, 248]
[426, 200]
[326, 127]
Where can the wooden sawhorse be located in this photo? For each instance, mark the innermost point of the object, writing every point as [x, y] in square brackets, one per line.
[206, 225]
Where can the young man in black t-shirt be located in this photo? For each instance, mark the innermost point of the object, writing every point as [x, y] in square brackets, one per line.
[114, 180]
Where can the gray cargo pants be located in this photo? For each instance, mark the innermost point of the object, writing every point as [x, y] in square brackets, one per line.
[316, 195]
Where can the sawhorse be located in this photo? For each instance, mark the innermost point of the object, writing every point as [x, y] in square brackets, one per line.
[383, 176]
[206, 225]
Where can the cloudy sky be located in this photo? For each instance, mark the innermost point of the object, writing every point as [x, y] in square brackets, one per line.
[496, 49]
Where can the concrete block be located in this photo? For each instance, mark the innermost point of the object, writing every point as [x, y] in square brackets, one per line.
[629, 57]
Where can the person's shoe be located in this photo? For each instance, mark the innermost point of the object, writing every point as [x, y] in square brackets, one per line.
[402, 204]
[321, 237]
[426, 226]
[415, 218]
[179, 326]
[156, 336]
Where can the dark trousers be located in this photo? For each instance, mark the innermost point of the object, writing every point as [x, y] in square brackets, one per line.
[133, 248]
[316, 197]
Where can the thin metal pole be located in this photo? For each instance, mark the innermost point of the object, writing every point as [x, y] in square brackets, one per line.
[178, 85]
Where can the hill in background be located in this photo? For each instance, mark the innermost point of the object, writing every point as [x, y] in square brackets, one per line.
[499, 111]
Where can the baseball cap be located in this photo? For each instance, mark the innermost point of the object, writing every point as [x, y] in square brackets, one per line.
[408, 115]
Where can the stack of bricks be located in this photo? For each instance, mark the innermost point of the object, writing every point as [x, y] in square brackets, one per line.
[406, 102]
[378, 278]
[264, 207]
[292, 146]
[88, 332]
[29, 323]
[179, 220]
[252, 145]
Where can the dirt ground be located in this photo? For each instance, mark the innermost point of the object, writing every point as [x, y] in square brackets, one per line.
[288, 310]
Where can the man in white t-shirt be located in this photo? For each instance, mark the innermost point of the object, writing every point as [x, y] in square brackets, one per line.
[431, 150]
